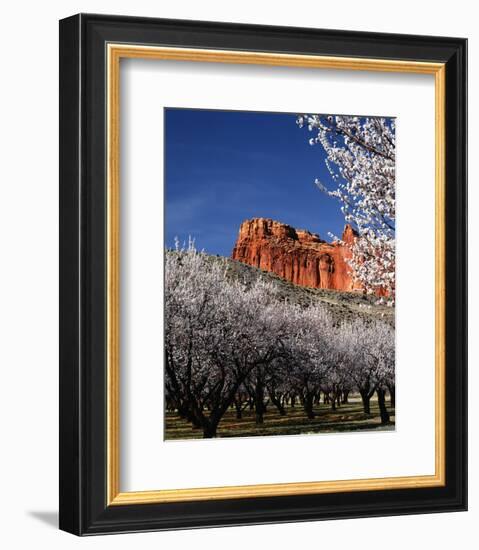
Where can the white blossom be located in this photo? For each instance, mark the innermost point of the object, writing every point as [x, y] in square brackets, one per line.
[226, 339]
[361, 158]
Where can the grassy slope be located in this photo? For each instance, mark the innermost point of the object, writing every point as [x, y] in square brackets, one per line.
[341, 304]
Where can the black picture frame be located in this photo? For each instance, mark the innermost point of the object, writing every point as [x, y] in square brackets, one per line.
[83, 406]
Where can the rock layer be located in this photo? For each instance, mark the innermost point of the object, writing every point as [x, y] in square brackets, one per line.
[296, 255]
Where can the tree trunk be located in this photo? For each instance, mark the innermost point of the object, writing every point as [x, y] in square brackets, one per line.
[333, 402]
[239, 411]
[195, 421]
[345, 396]
[209, 429]
[366, 401]
[308, 406]
[277, 402]
[392, 395]
[382, 406]
[259, 402]
[182, 413]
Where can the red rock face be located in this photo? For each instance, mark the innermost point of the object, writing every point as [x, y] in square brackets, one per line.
[295, 254]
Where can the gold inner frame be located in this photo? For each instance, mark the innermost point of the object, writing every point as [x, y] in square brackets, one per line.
[114, 53]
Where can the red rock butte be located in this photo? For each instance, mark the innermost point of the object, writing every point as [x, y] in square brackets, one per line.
[296, 254]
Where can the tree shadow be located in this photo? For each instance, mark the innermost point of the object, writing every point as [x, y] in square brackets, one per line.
[50, 518]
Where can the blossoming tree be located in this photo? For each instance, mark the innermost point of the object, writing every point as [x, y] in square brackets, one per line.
[361, 157]
[231, 343]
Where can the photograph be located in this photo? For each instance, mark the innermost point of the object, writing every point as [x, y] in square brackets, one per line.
[279, 273]
[231, 269]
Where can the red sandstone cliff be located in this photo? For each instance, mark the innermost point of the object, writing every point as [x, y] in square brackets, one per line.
[295, 254]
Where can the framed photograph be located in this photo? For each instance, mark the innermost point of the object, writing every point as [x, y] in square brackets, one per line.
[262, 274]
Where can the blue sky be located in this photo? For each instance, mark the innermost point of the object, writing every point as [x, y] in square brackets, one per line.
[223, 167]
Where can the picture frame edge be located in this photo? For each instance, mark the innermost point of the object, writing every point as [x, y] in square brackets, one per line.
[83, 508]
